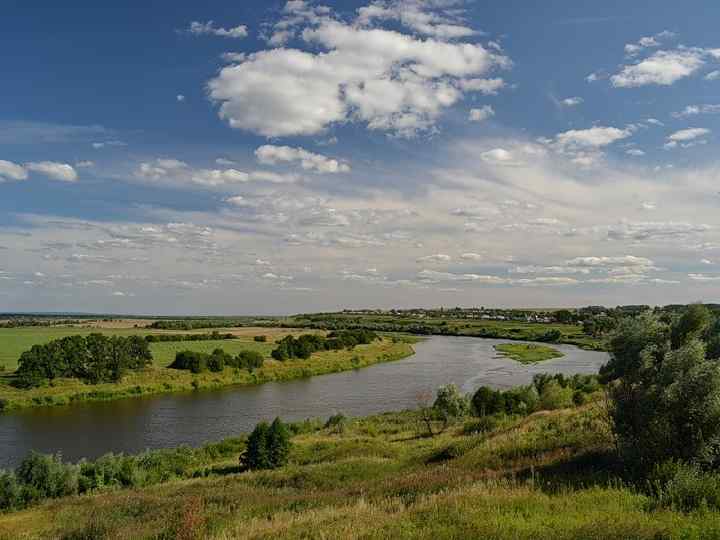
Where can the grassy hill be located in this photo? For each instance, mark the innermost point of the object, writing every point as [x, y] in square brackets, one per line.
[549, 475]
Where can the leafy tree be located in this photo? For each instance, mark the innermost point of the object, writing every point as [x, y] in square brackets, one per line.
[564, 316]
[665, 403]
[278, 444]
[487, 401]
[450, 403]
[257, 455]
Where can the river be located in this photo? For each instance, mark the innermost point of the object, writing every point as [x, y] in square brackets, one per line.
[135, 424]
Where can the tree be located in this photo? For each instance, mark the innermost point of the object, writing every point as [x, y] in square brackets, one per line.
[278, 443]
[450, 403]
[487, 401]
[564, 316]
[665, 403]
[257, 455]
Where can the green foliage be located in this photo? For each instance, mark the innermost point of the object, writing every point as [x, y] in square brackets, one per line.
[666, 401]
[528, 353]
[336, 423]
[43, 476]
[260, 339]
[268, 447]
[684, 487]
[555, 396]
[200, 362]
[303, 346]
[95, 358]
[451, 404]
[212, 336]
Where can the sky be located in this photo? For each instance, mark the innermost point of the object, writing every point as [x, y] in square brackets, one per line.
[272, 157]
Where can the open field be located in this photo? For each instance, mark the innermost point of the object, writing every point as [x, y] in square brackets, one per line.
[527, 353]
[14, 341]
[157, 379]
[549, 475]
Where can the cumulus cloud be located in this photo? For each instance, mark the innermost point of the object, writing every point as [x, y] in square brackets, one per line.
[662, 68]
[426, 17]
[654, 230]
[388, 80]
[497, 156]
[309, 161]
[481, 114]
[208, 28]
[647, 42]
[12, 171]
[687, 138]
[713, 76]
[594, 137]
[54, 170]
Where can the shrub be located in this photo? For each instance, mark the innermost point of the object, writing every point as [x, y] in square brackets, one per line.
[450, 403]
[487, 401]
[260, 339]
[46, 476]
[268, 447]
[483, 424]
[684, 487]
[11, 492]
[554, 396]
[336, 422]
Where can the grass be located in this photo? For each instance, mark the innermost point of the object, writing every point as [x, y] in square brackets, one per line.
[158, 379]
[549, 475]
[527, 353]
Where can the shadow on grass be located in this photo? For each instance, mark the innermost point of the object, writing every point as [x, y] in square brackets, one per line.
[593, 468]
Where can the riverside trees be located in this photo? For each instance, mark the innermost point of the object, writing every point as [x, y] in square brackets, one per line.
[95, 358]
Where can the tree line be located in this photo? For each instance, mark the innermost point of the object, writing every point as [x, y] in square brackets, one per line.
[303, 346]
[218, 360]
[212, 336]
[95, 358]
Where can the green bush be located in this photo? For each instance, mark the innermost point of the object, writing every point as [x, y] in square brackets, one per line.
[268, 447]
[554, 396]
[450, 404]
[260, 339]
[45, 476]
[684, 487]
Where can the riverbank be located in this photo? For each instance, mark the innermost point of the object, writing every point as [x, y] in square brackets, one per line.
[551, 474]
[161, 380]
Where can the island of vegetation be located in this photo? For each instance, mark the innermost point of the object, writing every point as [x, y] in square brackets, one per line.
[527, 353]
[631, 453]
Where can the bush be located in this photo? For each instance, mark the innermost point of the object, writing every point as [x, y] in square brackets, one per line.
[684, 487]
[268, 447]
[336, 422]
[554, 396]
[487, 401]
[484, 424]
[11, 492]
[450, 403]
[260, 339]
[45, 476]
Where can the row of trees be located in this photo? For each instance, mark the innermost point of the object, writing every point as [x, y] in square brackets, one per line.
[303, 346]
[218, 360]
[95, 358]
[212, 336]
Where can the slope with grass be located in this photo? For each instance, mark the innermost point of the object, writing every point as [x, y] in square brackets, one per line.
[549, 475]
[527, 353]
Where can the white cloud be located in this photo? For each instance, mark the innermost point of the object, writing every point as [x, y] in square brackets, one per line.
[309, 161]
[626, 260]
[703, 277]
[471, 256]
[647, 42]
[54, 170]
[180, 98]
[425, 17]
[84, 164]
[488, 87]
[635, 152]
[176, 172]
[594, 137]
[209, 28]
[692, 110]
[571, 101]
[108, 144]
[12, 171]
[481, 114]
[497, 156]
[387, 80]
[713, 76]
[436, 258]
[654, 230]
[686, 138]
[654, 122]
[661, 68]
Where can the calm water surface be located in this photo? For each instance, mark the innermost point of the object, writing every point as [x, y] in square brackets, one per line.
[132, 425]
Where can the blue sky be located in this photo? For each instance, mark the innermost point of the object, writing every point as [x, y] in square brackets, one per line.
[272, 157]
